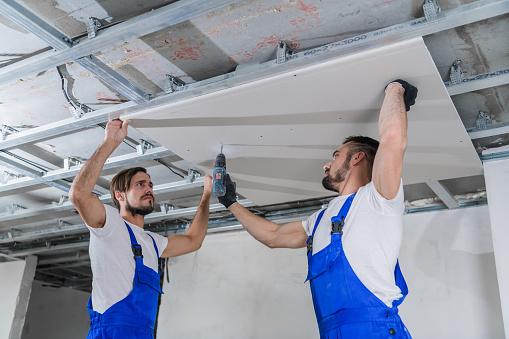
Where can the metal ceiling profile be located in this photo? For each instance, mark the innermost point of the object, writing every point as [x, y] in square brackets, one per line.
[34, 229]
[459, 16]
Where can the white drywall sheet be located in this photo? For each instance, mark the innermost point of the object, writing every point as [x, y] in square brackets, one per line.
[234, 287]
[15, 286]
[496, 174]
[279, 132]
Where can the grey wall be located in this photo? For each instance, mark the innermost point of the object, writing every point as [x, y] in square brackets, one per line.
[234, 287]
[56, 313]
[448, 260]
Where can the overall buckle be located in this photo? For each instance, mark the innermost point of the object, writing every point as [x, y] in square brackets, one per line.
[337, 224]
[310, 244]
[137, 251]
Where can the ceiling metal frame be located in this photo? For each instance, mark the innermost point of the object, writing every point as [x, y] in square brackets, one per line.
[35, 175]
[144, 24]
[478, 82]
[443, 193]
[76, 229]
[491, 130]
[118, 161]
[459, 16]
[105, 198]
[170, 15]
[26, 19]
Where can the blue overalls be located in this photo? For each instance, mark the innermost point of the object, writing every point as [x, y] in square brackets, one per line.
[344, 307]
[135, 315]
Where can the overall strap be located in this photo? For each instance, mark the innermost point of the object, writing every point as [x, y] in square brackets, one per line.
[338, 222]
[401, 283]
[134, 243]
[309, 242]
[157, 252]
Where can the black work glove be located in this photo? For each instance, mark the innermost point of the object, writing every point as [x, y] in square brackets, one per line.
[410, 92]
[230, 196]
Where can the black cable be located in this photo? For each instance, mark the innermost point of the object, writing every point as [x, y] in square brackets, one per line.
[180, 175]
[25, 160]
[63, 89]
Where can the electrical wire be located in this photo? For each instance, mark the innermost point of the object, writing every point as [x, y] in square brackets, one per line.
[25, 160]
[62, 78]
[128, 144]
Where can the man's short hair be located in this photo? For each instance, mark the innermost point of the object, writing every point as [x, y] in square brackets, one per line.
[121, 182]
[360, 143]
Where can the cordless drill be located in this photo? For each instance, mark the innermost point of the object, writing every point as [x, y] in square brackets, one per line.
[218, 187]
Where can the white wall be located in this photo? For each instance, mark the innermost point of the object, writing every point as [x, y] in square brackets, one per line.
[11, 276]
[56, 313]
[448, 260]
[234, 287]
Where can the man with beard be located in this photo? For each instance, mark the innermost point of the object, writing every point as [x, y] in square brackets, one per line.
[124, 257]
[353, 244]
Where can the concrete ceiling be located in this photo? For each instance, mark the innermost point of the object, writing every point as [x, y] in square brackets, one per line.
[48, 65]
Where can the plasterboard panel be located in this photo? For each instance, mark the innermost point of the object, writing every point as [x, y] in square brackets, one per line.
[279, 132]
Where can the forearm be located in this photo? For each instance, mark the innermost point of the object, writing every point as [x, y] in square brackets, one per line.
[88, 175]
[392, 122]
[261, 229]
[198, 228]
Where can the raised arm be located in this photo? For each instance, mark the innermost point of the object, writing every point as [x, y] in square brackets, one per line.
[291, 235]
[88, 205]
[191, 241]
[392, 126]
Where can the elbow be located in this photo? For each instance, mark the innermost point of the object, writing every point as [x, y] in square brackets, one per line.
[395, 139]
[271, 244]
[75, 196]
[197, 246]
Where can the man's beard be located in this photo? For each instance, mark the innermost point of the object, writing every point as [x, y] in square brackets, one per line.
[328, 181]
[140, 210]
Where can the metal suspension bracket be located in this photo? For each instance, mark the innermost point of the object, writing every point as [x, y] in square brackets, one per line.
[4, 129]
[14, 232]
[143, 147]
[171, 83]
[70, 41]
[16, 207]
[62, 223]
[71, 161]
[192, 175]
[431, 9]
[166, 208]
[283, 52]
[456, 74]
[483, 119]
[79, 111]
[63, 199]
[9, 175]
[92, 25]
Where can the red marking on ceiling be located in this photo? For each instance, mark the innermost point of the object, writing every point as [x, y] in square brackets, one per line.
[188, 53]
[266, 42]
[310, 12]
[242, 56]
[386, 2]
[104, 97]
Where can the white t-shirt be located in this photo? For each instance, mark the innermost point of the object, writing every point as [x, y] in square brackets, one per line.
[112, 259]
[371, 238]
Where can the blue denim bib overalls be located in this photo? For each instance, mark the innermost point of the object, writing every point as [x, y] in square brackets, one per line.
[135, 315]
[344, 307]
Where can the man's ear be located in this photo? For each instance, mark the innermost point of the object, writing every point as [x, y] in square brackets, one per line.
[357, 158]
[120, 196]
